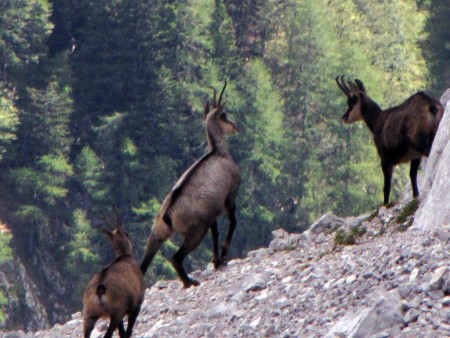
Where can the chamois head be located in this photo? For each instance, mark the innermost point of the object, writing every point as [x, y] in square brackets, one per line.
[118, 236]
[216, 113]
[353, 90]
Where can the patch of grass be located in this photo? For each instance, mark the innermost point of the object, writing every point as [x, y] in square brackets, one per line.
[344, 237]
[373, 215]
[409, 209]
[403, 227]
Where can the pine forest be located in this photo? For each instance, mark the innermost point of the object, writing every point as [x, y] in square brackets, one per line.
[102, 102]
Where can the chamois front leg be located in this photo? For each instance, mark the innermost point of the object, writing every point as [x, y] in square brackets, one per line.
[413, 176]
[387, 172]
[233, 222]
[217, 261]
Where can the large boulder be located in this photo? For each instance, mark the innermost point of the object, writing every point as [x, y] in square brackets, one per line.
[435, 207]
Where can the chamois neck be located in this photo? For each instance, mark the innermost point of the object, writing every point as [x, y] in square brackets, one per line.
[370, 112]
[122, 249]
[216, 139]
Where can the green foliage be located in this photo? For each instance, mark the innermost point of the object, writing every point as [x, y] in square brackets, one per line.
[89, 172]
[6, 253]
[24, 28]
[81, 247]
[436, 47]
[3, 302]
[349, 237]
[46, 121]
[8, 122]
[409, 209]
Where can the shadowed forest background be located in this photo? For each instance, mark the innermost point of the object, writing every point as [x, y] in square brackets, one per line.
[102, 102]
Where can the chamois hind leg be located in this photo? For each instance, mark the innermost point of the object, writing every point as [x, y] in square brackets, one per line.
[121, 328]
[233, 222]
[215, 237]
[88, 325]
[154, 242]
[413, 176]
[387, 172]
[191, 241]
[132, 316]
[113, 324]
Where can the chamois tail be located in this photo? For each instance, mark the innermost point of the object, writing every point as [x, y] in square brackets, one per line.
[100, 291]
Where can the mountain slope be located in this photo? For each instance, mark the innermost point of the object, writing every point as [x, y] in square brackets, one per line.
[393, 281]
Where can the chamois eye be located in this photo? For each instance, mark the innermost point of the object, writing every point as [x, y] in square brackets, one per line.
[352, 100]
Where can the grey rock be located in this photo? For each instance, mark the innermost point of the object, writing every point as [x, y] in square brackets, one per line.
[255, 282]
[437, 278]
[435, 209]
[326, 222]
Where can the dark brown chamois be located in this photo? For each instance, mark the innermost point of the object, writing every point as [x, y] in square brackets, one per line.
[402, 133]
[117, 290]
[205, 191]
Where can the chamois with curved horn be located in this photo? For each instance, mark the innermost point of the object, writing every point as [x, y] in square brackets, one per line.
[403, 133]
[117, 290]
[204, 192]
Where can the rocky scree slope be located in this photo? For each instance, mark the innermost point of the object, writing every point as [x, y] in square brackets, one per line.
[367, 276]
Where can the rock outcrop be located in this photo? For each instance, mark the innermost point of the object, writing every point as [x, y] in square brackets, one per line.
[435, 207]
[25, 309]
[393, 281]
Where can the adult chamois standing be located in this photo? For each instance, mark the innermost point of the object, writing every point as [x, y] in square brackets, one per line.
[205, 191]
[402, 133]
[117, 290]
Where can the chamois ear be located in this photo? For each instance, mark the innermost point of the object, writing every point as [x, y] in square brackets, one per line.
[360, 85]
[118, 222]
[107, 220]
[354, 88]
[106, 232]
[222, 105]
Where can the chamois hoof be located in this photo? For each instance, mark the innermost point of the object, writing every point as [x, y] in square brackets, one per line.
[190, 282]
[219, 262]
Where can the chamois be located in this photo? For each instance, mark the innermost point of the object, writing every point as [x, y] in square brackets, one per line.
[204, 192]
[401, 134]
[117, 290]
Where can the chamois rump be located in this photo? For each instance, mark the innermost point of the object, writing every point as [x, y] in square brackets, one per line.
[204, 192]
[117, 290]
[403, 133]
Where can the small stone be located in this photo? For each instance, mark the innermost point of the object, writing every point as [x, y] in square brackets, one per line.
[435, 294]
[437, 278]
[411, 316]
[350, 279]
[413, 275]
[404, 291]
[446, 301]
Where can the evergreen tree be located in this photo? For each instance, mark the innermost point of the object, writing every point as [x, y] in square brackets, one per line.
[436, 47]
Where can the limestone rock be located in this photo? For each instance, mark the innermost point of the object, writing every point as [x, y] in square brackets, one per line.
[435, 209]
